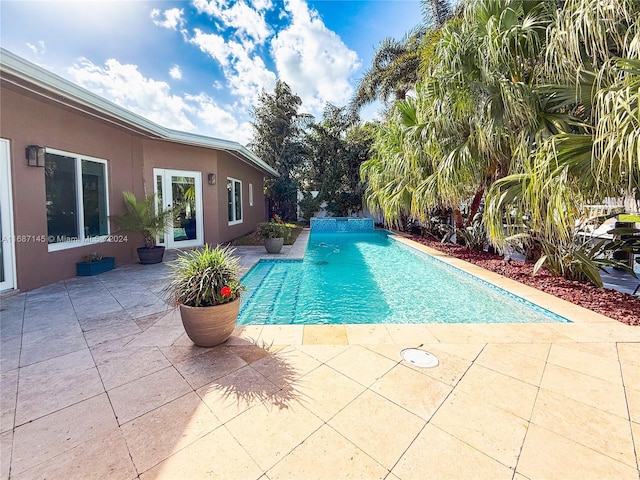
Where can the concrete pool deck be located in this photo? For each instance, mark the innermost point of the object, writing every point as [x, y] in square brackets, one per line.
[99, 381]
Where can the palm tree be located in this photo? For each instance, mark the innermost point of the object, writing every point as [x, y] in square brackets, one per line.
[393, 72]
[592, 70]
[535, 101]
[395, 68]
[479, 113]
[436, 12]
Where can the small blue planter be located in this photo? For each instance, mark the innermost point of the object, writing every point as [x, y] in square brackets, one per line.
[85, 269]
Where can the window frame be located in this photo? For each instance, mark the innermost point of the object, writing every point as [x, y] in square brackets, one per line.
[81, 239]
[235, 221]
[251, 194]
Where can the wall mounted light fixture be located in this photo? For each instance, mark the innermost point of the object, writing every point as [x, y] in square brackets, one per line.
[35, 155]
[211, 179]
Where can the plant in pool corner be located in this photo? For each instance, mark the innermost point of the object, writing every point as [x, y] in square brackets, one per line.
[205, 277]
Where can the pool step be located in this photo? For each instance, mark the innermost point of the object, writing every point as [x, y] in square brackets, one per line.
[285, 304]
[258, 275]
[264, 300]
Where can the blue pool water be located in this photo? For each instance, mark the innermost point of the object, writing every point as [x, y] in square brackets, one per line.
[371, 278]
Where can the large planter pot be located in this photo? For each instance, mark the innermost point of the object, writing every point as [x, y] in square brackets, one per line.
[85, 269]
[274, 245]
[210, 326]
[149, 256]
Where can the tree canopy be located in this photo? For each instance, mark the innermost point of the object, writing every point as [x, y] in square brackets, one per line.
[528, 106]
[278, 140]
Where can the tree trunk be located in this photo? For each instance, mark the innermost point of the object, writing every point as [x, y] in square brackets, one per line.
[475, 205]
[457, 218]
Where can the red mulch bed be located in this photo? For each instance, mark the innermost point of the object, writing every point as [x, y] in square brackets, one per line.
[622, 307]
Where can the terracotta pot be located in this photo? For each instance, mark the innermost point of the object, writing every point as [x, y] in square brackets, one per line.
[273, 245]
[210, 326]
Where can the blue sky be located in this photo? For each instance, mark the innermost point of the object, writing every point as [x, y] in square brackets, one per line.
[199, 65]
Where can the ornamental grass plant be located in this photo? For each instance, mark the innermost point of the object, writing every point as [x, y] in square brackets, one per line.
[205, 277]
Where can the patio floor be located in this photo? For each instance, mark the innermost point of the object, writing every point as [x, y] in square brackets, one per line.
[99, 381]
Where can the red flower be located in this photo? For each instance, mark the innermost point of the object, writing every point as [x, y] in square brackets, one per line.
[226, 291]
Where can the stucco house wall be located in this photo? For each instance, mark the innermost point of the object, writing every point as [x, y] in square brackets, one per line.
[33, 114]
[228, 167]
[26, 121]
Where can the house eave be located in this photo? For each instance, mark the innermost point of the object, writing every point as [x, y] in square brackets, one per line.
[24, 74]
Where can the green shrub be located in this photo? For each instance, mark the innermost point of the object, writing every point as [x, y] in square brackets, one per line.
[275, 228]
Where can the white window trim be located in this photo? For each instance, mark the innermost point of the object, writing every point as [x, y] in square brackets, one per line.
[233, 206]
[6, 195]
[251, 194]
[81, 241]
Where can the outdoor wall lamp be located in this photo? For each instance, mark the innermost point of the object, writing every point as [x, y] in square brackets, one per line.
[35, 155]
[211, 179]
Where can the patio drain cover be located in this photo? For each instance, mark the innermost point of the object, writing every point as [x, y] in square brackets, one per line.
[419, 358]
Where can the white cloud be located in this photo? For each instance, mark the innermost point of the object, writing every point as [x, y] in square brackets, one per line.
[221, 123]
[248, 22]
[212, 44]
[262, 5]
[175, 72]
[172, 18]
[250, 74]
[38, 49]
[246, 74]
[126, 86]
[312, 59]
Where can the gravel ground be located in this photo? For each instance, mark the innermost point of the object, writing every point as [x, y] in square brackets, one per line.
[622, 307]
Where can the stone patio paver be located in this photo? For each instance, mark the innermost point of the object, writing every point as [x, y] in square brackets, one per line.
[99, 380]
[45, 439]
[586, 425]
[54, 384]
[136, 398]
[8, 393]
[155, 436]
[105, 456]
[417, 393]
[437, 454]
[598, 393]
[216, 455]
[548, 455]
[327, 455]
[397, 426]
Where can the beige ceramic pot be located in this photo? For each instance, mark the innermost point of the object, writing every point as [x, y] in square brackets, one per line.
[210, 326]
[273, 245]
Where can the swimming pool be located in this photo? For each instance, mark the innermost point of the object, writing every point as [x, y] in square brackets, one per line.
[371, 278]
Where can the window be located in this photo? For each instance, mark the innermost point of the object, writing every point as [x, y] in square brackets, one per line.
[251, 194]
[76, 199]
[234, 201]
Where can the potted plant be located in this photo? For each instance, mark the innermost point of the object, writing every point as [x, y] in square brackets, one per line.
[274, 233]
[143, 217]
[94, 264]
[205, 284]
